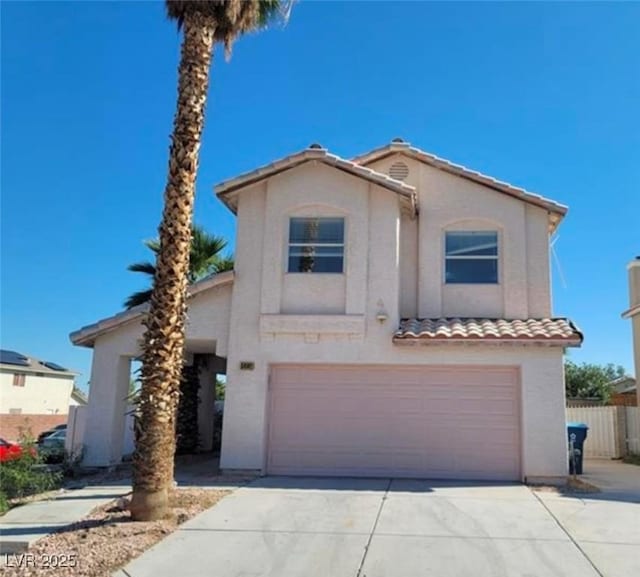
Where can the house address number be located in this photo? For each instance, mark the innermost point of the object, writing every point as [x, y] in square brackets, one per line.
[247, 365]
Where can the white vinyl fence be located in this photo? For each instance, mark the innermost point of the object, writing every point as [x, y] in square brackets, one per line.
[613, 431]
[77, 422]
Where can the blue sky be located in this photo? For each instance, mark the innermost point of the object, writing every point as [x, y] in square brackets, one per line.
[541, 95]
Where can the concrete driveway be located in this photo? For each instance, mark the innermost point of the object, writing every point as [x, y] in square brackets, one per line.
[286, 527]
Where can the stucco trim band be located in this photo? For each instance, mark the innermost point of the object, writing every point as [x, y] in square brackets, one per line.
[312, 324]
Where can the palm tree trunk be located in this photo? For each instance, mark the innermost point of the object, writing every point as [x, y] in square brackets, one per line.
[164, 337]
[187, 433]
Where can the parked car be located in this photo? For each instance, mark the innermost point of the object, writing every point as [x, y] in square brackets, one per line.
[51, 447]
[9, 451]
[51, 431]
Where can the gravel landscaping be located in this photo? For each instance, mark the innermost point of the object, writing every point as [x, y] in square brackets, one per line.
[106, 539]
[572, 486]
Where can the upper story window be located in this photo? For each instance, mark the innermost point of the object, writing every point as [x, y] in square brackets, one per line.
[18, 379]
[316, 245]
[471, 257]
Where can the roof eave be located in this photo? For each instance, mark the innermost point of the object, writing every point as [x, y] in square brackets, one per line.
[631, 312]
[33, 370]
[227, 190]
[553, 208]
[86, 336]
[430, 341]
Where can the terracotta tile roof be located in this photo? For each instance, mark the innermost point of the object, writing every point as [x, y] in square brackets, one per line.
[225, 189]
[560, 332]
[556, 210]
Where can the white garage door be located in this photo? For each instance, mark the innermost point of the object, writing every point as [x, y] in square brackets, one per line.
[456, 422]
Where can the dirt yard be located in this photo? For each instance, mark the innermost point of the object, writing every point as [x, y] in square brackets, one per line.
[106, 539]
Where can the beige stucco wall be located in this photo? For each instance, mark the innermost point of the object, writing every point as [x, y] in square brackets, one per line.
[542, 390]
[409, 259]
[382, 274]
[41, 395]
[208, 320]
[394, 267]
[448, 202]
[207, 332]
[311, 190]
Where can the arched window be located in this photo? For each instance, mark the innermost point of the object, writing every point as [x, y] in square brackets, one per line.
[316, 244]
[471, 257]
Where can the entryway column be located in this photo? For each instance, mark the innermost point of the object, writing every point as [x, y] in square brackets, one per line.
[206, 407]
[104, 426]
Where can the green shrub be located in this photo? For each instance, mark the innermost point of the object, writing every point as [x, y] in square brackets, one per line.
[25, 475]
[70, 465]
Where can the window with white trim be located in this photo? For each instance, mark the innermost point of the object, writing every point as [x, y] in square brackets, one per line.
[316, 245]
[471, 257]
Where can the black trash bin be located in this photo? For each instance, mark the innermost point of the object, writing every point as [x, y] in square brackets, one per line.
[576, 433]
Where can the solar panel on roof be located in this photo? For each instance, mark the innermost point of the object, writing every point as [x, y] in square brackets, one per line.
[13, 358]
[53, 366]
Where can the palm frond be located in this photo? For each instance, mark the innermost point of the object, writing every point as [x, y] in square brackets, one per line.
[153, 244]
[231, 18]
[205, 249]
[272, 11]
[224, 264]
[138, 298]
[205, 259]
[143, 267]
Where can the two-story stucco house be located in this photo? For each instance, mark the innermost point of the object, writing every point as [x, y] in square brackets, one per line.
[388, 315]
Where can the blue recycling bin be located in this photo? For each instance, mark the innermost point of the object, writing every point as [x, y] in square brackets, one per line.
[576, 434]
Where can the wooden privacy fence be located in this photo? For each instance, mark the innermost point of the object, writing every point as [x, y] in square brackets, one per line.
[613, 431]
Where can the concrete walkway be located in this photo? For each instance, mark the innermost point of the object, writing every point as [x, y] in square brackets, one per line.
[22, 526]
[604, 526]
[286, 527]
[616, 479]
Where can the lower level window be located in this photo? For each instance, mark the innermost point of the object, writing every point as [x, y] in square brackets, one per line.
[316, 245]
[471, 257]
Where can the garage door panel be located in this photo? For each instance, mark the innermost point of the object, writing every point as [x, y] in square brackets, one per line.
[440, 422]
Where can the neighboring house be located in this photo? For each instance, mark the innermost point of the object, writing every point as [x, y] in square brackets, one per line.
[34, 394]
[388, 315]
[623, 392]
[633, 312]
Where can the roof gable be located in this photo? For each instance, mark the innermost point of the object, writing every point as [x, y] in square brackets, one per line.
[555, 210]
[228, 189]
[87, 335]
